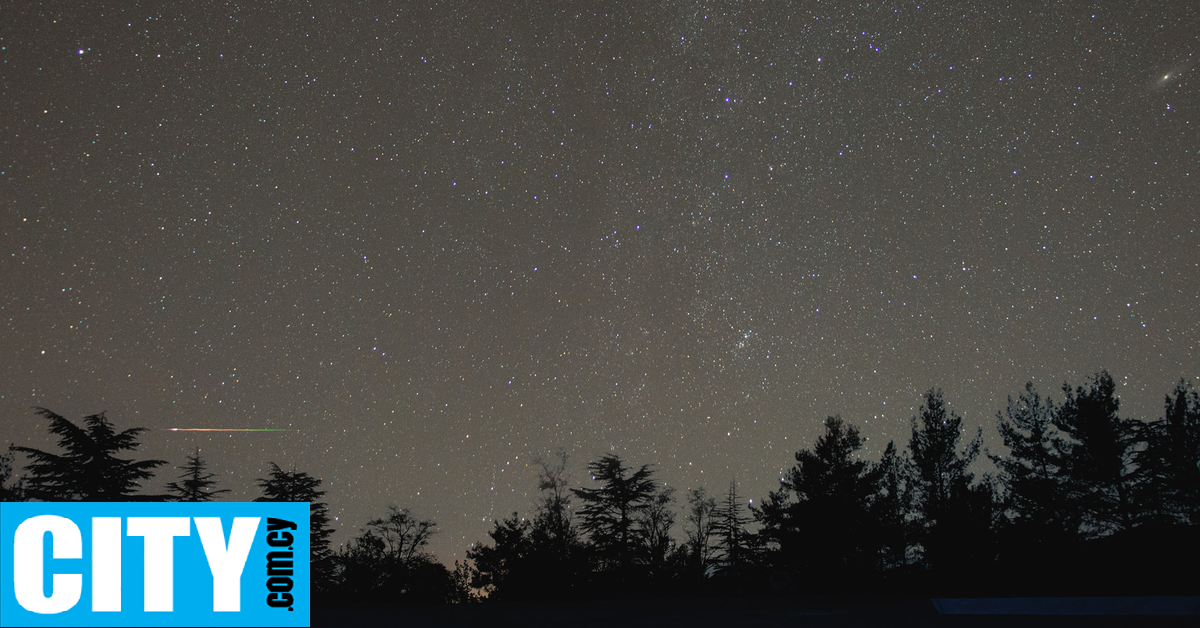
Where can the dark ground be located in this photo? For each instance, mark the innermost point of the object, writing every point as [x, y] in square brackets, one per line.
[701, 613]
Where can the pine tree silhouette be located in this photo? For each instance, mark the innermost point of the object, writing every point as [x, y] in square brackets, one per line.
[297, 486]
[610, 512]
[1171, 460]
[733, 541]
[819, 517]
[943, 478]
[1099, 457]
[195, 483]
[893, 508]
[88, 469]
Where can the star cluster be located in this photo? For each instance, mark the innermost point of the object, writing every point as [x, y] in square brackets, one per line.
[435, 243]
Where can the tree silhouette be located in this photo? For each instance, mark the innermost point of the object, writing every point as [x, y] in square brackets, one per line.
[1099, 452]
[404, 536]
[1031, 473]
[388, 562]
[818, 518]
[893, 508]
[297, 486]
[654, 524]
[553, 531]
[539, 558]
[506, 569]
[943, 477]
[557, 554]
[88, 469]
[610, 512]
[195, 483]
[733, 540]
[700, 528]
[460, 580]
[383, 560]
[1172, 457]
[942, 469]
[12, 488]
[360, 567]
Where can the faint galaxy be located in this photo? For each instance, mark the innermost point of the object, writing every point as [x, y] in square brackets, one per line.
[433, 243]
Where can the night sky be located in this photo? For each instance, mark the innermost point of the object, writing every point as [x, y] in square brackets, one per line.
[434, 243]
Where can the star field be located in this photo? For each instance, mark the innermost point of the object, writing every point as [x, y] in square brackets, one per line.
[434, 243]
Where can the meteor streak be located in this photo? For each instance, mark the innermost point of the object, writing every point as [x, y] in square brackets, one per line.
[226, 429]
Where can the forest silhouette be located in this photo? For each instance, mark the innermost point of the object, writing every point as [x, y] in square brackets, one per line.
[1083, 502]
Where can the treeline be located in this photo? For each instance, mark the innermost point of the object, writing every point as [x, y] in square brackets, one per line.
[1085, 502]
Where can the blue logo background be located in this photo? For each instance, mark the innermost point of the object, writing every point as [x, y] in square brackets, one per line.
[193, 587]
